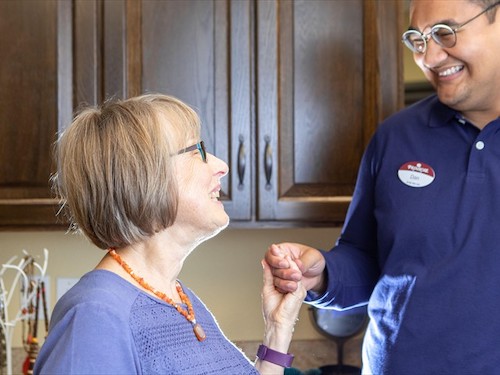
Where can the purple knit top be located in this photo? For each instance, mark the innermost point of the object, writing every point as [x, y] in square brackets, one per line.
[105, 325]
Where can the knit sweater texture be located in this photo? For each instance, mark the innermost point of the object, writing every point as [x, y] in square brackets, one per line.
[105, 325]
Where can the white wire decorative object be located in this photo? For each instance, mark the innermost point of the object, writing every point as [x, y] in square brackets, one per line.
[24, 285]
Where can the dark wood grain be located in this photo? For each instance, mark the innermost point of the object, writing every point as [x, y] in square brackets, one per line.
[289, 91]
[201, 52]
[28, 106]
[320, 95]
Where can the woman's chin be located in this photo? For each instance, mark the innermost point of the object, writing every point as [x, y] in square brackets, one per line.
[218, 227]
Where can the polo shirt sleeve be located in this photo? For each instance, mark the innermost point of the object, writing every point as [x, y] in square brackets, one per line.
[351, 265]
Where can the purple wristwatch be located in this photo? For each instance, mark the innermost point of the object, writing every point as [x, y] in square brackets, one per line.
[269, 355]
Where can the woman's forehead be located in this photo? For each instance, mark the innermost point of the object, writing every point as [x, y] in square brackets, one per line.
[178, 128]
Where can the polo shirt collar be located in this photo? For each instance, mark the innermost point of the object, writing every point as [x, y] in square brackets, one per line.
[442, 115]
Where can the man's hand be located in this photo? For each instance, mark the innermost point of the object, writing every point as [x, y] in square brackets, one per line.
[310, 263]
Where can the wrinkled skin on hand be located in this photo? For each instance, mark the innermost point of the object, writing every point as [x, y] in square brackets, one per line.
[310, 263]
[281, 309]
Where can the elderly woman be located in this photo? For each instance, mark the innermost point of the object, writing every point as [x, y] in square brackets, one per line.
[135, 178]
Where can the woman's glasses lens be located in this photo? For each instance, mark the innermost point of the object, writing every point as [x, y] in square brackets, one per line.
[200, 146]
[203, 151]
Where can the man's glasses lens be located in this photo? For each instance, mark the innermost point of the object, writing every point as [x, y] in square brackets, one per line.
[415, 41]
[443, 35]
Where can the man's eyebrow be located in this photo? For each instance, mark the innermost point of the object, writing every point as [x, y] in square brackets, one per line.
[448, 21]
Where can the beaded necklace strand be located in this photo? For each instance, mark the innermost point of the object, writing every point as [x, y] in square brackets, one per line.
[188, 314]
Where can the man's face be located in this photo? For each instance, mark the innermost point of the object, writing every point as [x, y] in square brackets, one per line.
[467, 75]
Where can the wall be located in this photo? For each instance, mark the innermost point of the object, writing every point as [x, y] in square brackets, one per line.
[230, 262]
[411, 71]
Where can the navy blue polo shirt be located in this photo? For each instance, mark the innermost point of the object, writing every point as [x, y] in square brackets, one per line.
[421, 245]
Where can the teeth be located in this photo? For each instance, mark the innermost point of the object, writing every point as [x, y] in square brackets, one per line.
[450, 71]
[214, 195]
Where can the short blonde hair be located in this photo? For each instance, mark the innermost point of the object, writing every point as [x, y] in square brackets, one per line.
[115, 175]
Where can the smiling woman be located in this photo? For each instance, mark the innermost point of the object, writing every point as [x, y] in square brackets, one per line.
[114, 176]
[134, 178]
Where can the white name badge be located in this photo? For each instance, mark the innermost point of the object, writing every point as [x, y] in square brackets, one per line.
[416, 174]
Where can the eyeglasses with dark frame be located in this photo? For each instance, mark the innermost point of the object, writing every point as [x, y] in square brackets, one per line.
[200, 146]
[442, 34]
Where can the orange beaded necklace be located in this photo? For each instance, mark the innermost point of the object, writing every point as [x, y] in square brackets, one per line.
[189, 314]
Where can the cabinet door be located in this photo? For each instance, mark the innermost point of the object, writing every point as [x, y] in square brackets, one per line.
[57, 55]
[35, 100]
[200, 51]
[327, 72]
[106, 50]
[289, 92]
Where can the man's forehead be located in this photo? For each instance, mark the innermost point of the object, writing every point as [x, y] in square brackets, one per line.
[427, 13]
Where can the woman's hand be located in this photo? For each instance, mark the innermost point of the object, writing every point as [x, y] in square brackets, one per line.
[280, 314]
[278, 308]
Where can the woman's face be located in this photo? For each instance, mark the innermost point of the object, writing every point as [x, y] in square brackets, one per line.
[200, 213]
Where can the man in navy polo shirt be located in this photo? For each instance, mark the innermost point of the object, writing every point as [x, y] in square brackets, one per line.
[421, 240]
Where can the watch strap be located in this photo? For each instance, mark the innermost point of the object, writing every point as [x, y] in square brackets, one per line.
[273, 356]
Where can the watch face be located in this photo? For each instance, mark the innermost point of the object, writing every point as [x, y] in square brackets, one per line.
[339, 323]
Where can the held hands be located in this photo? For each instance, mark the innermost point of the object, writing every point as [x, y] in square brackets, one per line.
[289, 270]
[281, 310]
[309, 271]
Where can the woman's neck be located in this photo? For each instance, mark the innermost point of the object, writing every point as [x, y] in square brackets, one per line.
[158, 260]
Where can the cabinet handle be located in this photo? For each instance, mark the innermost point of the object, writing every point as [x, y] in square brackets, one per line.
[268, 161]
[241, 162]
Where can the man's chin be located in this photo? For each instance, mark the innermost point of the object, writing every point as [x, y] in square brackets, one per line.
[447, 98]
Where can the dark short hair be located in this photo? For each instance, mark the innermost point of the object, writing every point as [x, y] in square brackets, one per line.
[115, 177]
[485, 4]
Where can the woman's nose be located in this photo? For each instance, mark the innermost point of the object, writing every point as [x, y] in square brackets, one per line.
[219, 165]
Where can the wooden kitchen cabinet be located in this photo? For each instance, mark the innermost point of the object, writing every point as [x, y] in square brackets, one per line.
[289, 92]
[201, 51]
[56, 54]
[30, 110]
[326, 73]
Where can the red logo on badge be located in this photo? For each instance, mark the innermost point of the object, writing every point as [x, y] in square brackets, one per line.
[416, 174]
